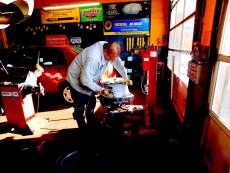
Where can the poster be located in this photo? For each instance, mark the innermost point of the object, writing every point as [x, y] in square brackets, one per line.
[91, 13]
[127, 27]
[127, 10]
[60, 16]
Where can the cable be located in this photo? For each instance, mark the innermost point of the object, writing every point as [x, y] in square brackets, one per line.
[38, 103]
[4, 68]
[144, 85]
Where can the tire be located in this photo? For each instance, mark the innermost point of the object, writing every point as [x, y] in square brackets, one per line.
[65, 94]
[69, 162]
[83, 161]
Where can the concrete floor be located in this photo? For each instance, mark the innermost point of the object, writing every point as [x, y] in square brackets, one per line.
[51, 117]
[43, 123]
[58, 146]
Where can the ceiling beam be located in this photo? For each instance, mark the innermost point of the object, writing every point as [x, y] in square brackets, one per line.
[39, 4]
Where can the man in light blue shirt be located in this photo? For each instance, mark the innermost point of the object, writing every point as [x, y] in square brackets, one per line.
[84, 74]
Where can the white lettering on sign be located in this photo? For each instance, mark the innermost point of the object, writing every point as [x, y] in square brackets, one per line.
[146, 59]
[153, 53]
[10, 94]
[130, 58]
[129, 70]
[15, 94]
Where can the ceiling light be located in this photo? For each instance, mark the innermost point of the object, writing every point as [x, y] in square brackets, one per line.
[69, 6]
[7, 1]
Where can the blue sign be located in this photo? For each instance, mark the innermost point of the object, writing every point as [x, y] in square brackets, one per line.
[127, 27]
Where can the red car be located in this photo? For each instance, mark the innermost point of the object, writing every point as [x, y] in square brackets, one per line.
[55, 60]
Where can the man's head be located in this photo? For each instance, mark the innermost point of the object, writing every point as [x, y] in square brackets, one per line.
[111, 50]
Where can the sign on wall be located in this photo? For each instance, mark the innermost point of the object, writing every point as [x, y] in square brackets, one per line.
[60, 16]
[91, 13]
[127, 10]
[127, 27]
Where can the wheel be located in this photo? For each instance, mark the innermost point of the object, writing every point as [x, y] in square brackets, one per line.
[65, 94]
[70, 162]
[81, 162]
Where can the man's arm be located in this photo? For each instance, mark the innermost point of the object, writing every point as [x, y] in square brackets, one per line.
[86, 77]
[118, 65]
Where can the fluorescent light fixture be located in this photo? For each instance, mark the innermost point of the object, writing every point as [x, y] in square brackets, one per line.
[3, 26]
[69, 6]
[7, 1]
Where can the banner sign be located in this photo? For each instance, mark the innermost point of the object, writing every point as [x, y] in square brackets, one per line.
[127, 27]
[127, 10]
[60, 16]
[91, 13]
[54, 40]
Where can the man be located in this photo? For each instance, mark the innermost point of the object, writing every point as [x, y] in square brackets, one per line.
[84, 74]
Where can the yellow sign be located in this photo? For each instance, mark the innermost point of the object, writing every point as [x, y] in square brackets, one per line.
[60, 16]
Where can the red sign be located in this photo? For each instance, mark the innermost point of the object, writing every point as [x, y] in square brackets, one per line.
[54, 40]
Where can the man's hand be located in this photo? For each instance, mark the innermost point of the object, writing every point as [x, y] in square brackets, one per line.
[128, 82]
[104, 91]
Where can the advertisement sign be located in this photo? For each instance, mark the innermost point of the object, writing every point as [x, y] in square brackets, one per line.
[91, 13]
[53, 40]
[127, 27]
[60, 16]
[75, 40]
[127, 10]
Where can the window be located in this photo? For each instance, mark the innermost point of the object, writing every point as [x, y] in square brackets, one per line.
[220, 93]
[221, 99]
[187, 36]
[181, 36]
[180, 45]
[180, 11]
[178, 37]
[224, 45]
[170, 60]
[190, 7]
[51, 56]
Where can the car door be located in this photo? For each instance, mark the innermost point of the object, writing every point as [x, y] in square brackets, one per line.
[55, 68]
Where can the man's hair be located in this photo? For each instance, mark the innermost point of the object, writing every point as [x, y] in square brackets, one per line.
[112, 46]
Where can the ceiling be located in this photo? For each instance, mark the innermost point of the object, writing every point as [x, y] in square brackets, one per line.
[38, 4]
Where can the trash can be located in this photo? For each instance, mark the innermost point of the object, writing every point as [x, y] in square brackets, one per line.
[19, 109]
